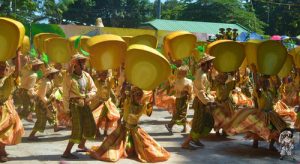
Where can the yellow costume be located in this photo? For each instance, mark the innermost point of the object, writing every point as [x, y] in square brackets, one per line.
[44, 109]
[11, 127]
[130, 139]
[224, 111]
[106, 113]
[26, 92]
[202, 120]
[183, 93]
[76, 90]
[62, 113]
[260, 123]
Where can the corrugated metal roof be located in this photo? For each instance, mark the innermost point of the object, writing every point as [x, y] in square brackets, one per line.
[192, 26]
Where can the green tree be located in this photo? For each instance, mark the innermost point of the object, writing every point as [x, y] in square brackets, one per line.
[172, 9]
[116, 13]
[22, 10]
[32, 11]
[54, 10]
[281, 16]
[225, 11]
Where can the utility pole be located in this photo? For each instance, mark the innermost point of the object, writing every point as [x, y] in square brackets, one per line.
[158, 10]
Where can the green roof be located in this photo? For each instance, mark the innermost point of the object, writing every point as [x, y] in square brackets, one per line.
[192, 26]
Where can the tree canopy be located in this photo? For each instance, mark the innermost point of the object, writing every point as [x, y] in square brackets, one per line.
[265, 17]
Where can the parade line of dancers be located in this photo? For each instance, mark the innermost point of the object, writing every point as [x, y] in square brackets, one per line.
[75, 96]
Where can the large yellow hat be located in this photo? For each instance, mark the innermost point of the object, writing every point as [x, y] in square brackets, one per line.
[82, 44]
[179, 44]
[127, 39]
[11, 37]
[229, 55]
[295, 52]
[145, 67]
[147, 40]
[251, 51]
[58, 50]
[106, 51]
[25, 48]
[287, 67]
[39, 39]
[271, 56]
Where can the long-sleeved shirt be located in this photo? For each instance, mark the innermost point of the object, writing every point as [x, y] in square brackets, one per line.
[45, 89]
[78, 87]
[28, 81]
[202, 87]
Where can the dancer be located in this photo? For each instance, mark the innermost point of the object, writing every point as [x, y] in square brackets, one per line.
[224, 110]
[202, 120]
[11, 127]
[44, 108]
[63, 118]
[183, 92]
[27, 91]
[130, 139]
[79, 89]
[106, 113]
[262, 123]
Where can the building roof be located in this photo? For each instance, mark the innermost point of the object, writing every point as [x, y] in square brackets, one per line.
[192, 26]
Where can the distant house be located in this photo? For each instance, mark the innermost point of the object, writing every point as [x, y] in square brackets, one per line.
[209, 28]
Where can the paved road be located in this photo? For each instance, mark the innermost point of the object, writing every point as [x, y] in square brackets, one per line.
[217, 150]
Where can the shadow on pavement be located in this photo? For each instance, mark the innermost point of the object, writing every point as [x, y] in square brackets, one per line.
[215, 138]
[153, 122]
[246, 151]
[48, 139]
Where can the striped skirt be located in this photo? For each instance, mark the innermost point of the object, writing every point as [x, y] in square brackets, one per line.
[11, 127]
[43, 114]
[179, 116]
[202, 122]
[106, 115]
[222, 114]
[118, 145]
[265, 125]
[83, 123]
